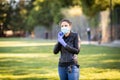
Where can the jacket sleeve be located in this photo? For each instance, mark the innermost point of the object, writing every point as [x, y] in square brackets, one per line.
[57, 48]
[76, 48]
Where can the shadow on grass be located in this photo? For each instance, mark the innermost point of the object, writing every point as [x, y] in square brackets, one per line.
[100, 57]
[36, 79]
[16, 66]
[30, 78]
[44, 64]
[106, 63]
[27, 49]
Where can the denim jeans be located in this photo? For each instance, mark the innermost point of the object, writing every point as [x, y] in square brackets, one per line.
[64, 74]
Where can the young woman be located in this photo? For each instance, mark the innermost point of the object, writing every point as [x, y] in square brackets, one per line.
[68, 45]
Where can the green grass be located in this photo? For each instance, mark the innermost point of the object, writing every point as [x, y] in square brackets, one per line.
[30, 59]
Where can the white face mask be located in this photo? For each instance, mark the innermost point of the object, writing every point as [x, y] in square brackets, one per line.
[65, 30]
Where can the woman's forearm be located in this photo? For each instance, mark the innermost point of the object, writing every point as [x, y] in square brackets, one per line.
[57, 48]
[72, 49]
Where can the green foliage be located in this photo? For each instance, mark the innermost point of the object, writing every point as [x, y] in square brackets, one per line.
[68, 3]
[4, 7]
[15, 18]
[94, 21]
[46, 12]
[92, 8]
[37, 12]
[30, 21]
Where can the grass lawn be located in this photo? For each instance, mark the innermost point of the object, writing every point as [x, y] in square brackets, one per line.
[29, 59]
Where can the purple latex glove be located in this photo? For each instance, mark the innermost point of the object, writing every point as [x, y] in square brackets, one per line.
[60, 39]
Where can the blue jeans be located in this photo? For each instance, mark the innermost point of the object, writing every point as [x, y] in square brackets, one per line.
[89, 37]
[64, 74]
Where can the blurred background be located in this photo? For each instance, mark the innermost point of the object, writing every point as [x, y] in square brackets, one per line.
[28, 32]
[39, 18]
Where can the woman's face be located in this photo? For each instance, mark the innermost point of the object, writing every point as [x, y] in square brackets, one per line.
[65, 24]
[65, 27]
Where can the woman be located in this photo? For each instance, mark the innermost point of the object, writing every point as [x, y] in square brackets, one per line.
[68, 45]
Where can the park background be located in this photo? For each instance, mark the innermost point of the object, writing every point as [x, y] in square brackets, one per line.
[28, 32]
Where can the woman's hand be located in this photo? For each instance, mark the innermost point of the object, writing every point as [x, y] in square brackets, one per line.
[60, 35]
[60, 39]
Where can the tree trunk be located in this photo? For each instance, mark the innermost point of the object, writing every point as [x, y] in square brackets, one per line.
[104, 23]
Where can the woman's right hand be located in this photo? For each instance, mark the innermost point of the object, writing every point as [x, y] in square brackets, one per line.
[60, 35]
[60, 39]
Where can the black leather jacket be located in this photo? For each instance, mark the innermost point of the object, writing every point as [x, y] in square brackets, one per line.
[68, 53]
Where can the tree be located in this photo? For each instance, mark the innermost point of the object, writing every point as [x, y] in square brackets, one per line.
[4, 7]
[47, 12]
[13, 14]
[92, 8]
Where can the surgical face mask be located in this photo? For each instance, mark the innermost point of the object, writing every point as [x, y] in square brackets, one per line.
[65, 30]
